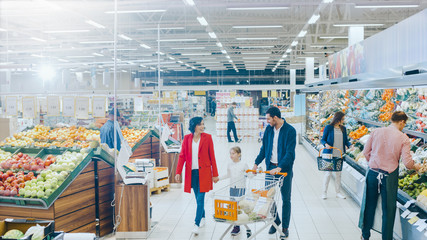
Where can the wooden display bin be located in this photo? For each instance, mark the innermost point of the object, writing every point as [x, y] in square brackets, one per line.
[170, 160]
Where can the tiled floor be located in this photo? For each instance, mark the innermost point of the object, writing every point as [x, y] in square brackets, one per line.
[312, 217]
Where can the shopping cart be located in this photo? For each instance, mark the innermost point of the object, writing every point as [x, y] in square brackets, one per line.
[250, 200]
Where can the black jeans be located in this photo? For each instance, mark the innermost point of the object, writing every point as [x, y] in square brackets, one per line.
[231, 127]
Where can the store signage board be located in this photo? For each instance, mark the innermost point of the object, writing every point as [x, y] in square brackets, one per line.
[82, 107]
[274, 93]
[68, 107]
[232, 94]
[98, 106]
[53, 106]
[264, 93]
[138, 104]
[29, 107]
[199, 93]
[11, 106]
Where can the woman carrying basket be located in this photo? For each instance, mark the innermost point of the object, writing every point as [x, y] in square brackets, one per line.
[335, 135]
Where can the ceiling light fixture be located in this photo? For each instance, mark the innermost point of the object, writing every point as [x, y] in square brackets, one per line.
[195, 54]
[38, 39]
[178, 40]
[145, 46]
[171, 58]
[265, 26]
[181, 62]
[256, 53]
[37, 55]
[302, 33]
[230, 61]
[80, 56]
[98, 54]
[328, 1]
[314, 19]
[95, 24]
[212, 34]
[223, 51]
[294, 43]
[256, 8]
[67, 31]
[202, 21]
[228, 57]
[359, 25]
[126, 49]
[3, 30]
[190, 2]
[256, 58]
[161, 53]
[388, 6]
[332, 37]
[62, 60]
[288, 50]
[209, 81]
[137, 11]
[162, 28]
[219, 44]
[256, 46]
[97, 42]
[188, 48]
[261, 38]
[125, 37]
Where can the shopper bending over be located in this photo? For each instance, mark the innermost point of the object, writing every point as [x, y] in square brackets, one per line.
[335, 135]
[197, 153]
[382, 151]
[278, 150]
[230, 123]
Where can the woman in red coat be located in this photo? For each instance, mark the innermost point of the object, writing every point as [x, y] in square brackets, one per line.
[197, 153]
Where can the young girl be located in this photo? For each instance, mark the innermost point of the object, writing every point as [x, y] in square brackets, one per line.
[236, 171]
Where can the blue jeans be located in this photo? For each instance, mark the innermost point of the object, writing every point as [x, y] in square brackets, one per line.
[285, 190]
[200, 196]
[231, 127]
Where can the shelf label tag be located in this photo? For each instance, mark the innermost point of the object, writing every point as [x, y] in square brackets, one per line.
[413, 220]
[408, 203]
[28, 107]
[274, 93]
[138, 105]
[422, 226]
[405, 213]
[53, 106]
[11, 105]
[82, 108]
[412, 215]
[98, 106]
[420, 222]
[68, 107]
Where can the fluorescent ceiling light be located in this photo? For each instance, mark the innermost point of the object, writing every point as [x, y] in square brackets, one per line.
[388, 6]
[228, 57]
[96, 42]
[124, 71]
[3, 30]
[230, 61]
[145, 46]
[264, 61]
[162, 28]
[187, 65]
[161, 53]
[219, 44]
[212, 34]
[171, 58]
[177, 40]
[37, 55]
[142, 65]
[314, 19]
[255, 53]
[95, 24]
[223, 51]
[202, 71]
[261, 38]
[80, 56]
[62, 60]
[152, 68]
[256, 46]
[38, 39]
[256, 58]
[328, 1]
[174, 82]
[125, 37]
[294, 43]
[137, 11]
[98, 54]
[281, 60]
[284, 55]
[190, 2]
[265, 26]
[288, 50]
[206, 62]
[209, 81]
[193, 67]
[256, 8]
[302, 33]
[202, 21]
[195, 54]
[67, 31]
[181, 62]
[189, 48]
[332, 37]
[359, 25]
[126, 49]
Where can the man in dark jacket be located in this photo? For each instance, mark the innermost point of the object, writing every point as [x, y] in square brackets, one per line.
[278, 150]
[107, 131]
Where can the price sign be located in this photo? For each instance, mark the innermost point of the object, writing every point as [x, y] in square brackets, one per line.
[98, 106]
[138, 104]
[53, 106]
[11, 106]
[68, 107]
[82, 108]
[28, 107]
[264, 93]
[274, 93]
[232, 94]
[247, 103]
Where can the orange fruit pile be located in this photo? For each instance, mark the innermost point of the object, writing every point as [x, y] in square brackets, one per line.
[360, 132]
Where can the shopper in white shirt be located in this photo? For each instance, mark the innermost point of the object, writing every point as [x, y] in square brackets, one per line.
[236, 172]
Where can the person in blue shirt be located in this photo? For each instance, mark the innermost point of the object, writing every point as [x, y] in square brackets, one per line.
[107, 131]
[278, 150]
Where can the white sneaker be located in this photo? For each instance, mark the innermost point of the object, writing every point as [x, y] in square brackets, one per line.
[195, 229]
[323, 195]
[202, 222]
[340, 195]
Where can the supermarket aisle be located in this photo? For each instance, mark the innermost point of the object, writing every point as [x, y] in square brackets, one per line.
[312, 217]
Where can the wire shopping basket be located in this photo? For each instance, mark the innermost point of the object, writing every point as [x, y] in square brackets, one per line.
[252, 199]
[329, 163]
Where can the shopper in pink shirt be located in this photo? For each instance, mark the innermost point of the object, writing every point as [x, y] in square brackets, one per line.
[382, 151]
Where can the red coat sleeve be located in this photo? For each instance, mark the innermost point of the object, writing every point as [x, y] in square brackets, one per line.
[182, 158]
[212, 158]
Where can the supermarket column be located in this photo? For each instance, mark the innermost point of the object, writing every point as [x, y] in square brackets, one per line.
[278, 150]
[382, 151]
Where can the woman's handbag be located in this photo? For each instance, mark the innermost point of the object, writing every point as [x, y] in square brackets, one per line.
[326, 162]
